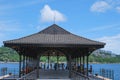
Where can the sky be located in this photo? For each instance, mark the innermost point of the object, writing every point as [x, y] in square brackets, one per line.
[94, 19]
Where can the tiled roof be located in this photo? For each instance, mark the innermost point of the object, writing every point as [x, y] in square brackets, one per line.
[54, 35]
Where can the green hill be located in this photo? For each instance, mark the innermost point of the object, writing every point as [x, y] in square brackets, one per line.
[102, 56]
[7, 54]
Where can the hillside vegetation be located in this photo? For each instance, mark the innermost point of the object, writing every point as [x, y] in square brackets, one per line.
[7, 54]
[99, 56]
[102, 56]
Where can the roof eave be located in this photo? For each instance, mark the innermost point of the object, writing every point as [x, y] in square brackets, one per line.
[53, 45]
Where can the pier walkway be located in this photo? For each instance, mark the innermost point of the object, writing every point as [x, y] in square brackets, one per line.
[56, 75]
[48, 74]
[52, 75]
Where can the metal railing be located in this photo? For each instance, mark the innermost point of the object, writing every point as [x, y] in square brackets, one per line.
[80, 76]
[107, 73]
[5, 70]
[9, 73]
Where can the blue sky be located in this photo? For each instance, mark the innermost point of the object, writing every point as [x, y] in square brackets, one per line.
[95, 19]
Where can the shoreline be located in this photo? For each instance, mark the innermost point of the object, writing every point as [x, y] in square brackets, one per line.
[7, 62]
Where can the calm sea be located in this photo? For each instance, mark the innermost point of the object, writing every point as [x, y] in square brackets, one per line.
[114, 67]
[14, 68]
[11, 68]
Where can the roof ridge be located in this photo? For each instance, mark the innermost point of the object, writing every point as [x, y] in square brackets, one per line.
[54, 29]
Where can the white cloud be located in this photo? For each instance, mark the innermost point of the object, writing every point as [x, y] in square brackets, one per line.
[49, 15]
[112, 43]
[118, 9]
[105, 5]
[100, 6]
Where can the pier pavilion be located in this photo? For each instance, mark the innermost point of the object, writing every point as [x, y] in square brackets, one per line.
[51, 41]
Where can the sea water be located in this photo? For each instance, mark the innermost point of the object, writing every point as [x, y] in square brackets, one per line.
[114, 67]
[14, 68]
[11, 68]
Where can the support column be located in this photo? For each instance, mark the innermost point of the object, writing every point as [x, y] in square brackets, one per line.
[67, 67]
[19, 66]
[26, 65]
[75, 60]
[37, 66]
[80, 64]
[87, 64]
[80, 60]
[23, 68]
[29, 70]
[77, 63]
[70, 67]
[31, 60]
[48, 61]
[83, 63]
[57, 62]
[33, 67]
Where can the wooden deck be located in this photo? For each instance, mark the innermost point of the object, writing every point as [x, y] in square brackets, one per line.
[49, 75]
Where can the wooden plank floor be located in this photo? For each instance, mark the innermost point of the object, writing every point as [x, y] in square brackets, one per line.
[49, 75]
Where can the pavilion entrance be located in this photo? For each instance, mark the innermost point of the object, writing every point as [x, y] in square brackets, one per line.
[53, 60]
[75, 61]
